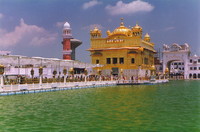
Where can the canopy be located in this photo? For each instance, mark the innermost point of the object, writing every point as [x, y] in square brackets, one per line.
[18, 60]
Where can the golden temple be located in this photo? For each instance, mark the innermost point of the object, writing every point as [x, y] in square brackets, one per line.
[123, 52]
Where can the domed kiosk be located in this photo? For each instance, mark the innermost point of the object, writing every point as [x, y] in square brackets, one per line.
[67, 25]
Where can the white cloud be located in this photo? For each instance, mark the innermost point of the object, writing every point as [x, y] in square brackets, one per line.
[1, 15]
[169, 28]
[37, 40]
[27, 34]
[129, 8]
[91, 4]
[92, 26]
[60, 24]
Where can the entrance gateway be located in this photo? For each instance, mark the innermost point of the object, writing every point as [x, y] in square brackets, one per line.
[176, 52]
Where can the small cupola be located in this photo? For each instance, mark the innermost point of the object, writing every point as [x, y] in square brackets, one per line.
[137, 30]
[95, 33]
[147, 38]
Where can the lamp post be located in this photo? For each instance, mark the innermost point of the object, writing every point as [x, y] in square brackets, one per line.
[40, 69]
[18, 77]
[54, 74]
[32, 75]
[138, 73]
[152, 70]
[121, 72]
[85, 73]
[1, 75]
[159, 75]
[59, 71]
[166, 72]
[65, 73]
[111, 75]
[40, 74]
[99, 73]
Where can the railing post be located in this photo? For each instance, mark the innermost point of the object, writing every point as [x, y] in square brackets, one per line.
[11, 87]
[40, 81]
[65, 79]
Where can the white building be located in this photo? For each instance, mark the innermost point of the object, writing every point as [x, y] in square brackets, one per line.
[16, 65]
[177, 59]
[194, 67]
[177, 67]
[3, 52]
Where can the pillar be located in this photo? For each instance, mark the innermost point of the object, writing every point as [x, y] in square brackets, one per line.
[40, 80]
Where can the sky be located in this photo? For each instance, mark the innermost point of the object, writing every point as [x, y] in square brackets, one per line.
[34, 27]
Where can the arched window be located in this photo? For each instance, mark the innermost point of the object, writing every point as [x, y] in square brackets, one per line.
[146, 61]
[132, 60]
[97, 61]
[194, 76]
[190, 75]
[198, 75]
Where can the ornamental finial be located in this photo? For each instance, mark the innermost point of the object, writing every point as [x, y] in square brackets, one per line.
[122, 23]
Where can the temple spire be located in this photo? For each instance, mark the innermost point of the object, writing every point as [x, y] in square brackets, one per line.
[122, 23]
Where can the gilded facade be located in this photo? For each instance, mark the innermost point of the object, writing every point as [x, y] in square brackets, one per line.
[122, 52]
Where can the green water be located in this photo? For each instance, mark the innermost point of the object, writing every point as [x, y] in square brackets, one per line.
[171, 107]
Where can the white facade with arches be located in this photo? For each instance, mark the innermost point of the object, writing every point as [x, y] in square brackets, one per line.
[194, 67]
[178, 60]
[176, 53]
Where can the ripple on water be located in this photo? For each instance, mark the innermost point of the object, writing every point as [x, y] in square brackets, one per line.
[166, 107]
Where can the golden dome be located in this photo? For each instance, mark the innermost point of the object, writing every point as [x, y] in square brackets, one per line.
[147, 35]
[108, 32]
[137, 28]
[95, 29]
[122, 30]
